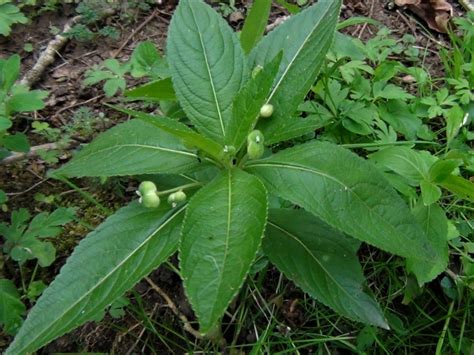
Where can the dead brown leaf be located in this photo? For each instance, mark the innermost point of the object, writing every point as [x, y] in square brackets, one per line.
[436, 13]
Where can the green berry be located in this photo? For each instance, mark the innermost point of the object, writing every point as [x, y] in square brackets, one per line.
[255, 150]
[146, 187]
[150, 200]
[255, 137]
[266, 111]
[176, 197]
[179, 196]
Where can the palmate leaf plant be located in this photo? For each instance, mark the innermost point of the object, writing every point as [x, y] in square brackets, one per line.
[14, 99]
[239, 108]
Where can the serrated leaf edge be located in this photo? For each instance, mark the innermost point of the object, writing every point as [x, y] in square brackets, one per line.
[237, 290]
[37, 335]
[291, 235]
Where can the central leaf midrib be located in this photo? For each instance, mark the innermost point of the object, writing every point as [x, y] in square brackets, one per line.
[102, 281]
[211, 79]
[226, 244]
[128, 145]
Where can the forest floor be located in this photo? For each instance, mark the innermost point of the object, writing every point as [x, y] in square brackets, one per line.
[148, 324]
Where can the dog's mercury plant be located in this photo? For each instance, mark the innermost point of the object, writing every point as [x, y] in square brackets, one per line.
[225, 219]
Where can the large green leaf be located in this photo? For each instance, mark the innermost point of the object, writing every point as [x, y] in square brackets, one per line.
[207, 66]
[222, 231]
[131, 148]
[304, 40]
[346, 192]
[435, 223]
[247, 103]
[107, 263]
[254, 25]
[178, 129]
[323, 262]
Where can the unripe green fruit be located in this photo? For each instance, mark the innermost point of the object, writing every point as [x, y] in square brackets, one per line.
[150, 200]
[254, 150]
[179, 196]
[176, 197]
[255, 137]
[146, 187]
[266, 111]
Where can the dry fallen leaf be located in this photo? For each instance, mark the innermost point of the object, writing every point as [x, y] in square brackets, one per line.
[436, 13]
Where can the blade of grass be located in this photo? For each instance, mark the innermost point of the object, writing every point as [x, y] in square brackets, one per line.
[254, 25]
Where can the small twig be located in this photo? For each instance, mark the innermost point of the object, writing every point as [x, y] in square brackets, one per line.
[48, 55]
[72, 191]
[409, 24]
[134, 32]
[77, 104]
[141, 333]
[187, 326]
[277, 22]
[27, 190]
[34, 152]
[371, 13]
[467, 4]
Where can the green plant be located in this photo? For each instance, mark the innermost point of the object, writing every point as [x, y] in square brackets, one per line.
[9, 15]
[113, 76]
[343, 199]
[24, 240]
[144, 62]
[14, 99]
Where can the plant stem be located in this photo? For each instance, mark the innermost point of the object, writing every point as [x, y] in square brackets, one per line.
[243, 160]
[439, 346]
[33, 275]
[182, 187]
[22, 275]
[87, 196]
[187, 326]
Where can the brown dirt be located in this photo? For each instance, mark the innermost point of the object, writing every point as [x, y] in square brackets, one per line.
[64, 81]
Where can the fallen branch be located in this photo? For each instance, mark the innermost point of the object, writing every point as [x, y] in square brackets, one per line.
[34, 152]
[187, 326]
[54, 46]
[467, 4]
[134, 32]
[48, 55]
